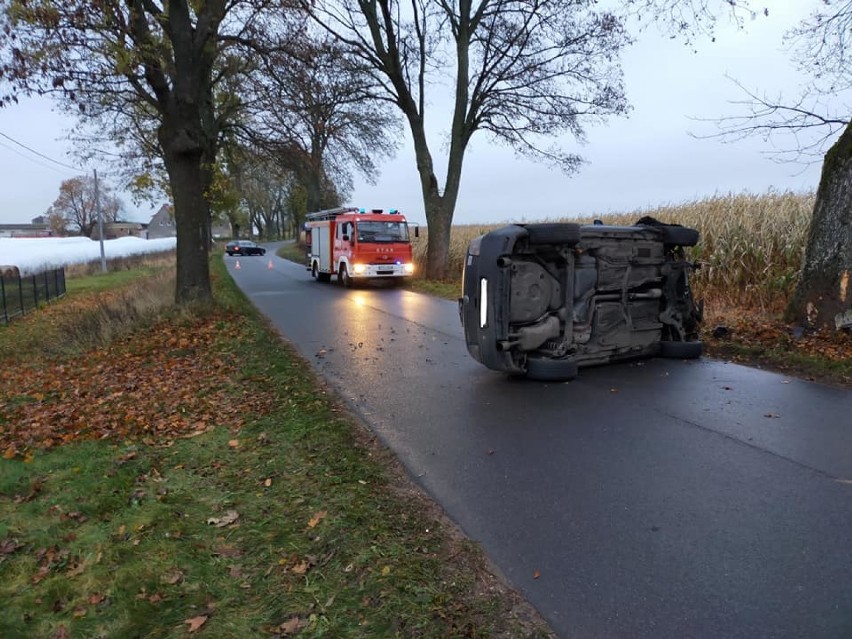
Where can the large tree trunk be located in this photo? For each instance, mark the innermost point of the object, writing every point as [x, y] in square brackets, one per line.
[439, 208]
[188, 180]
[824, 289]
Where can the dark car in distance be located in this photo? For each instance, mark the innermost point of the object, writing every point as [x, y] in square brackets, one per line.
[542, 300]
[244, 247]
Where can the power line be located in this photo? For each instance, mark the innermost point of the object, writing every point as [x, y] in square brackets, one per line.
[22, 145]
[32, 159]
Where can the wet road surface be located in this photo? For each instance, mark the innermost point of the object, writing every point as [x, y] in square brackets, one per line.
[651, 499]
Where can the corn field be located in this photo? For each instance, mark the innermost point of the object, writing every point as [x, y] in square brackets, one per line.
[750, 251]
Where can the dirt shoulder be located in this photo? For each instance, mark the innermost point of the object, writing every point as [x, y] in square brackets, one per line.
[764, 340]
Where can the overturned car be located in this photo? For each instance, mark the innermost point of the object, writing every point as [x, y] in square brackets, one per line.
[542, 300]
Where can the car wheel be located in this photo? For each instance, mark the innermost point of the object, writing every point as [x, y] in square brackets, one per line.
[681, 350]
[680, 235]
[263, 251]
[554, 233]
[344, 278]
[551, 370]
[314, 271]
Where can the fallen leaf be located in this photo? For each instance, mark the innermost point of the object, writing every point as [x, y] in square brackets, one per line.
[317, 518]
[61, 633]
[196, 622]
[79, 613]
[386, 571]
[96, 598]
[172, 578]
[536, 574]
[290, 627]
[8, 546]
[227, 519]
[267, 483]
[772, 415]
[300, 568]
[234, 443]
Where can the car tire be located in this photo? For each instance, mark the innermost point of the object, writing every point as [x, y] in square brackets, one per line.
[681, 350]
[553, 233]
[314, 272]
[679, 235]
[551, 370]
[263, 251]
[344, 278]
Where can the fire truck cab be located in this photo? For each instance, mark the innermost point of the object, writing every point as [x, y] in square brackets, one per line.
[358, 245]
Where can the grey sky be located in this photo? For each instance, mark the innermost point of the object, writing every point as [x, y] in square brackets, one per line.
[641, 161]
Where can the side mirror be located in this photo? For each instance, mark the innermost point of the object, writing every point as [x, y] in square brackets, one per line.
[345, 238]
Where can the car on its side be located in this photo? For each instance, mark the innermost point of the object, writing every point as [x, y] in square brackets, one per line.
[542, 300]
[244, 247]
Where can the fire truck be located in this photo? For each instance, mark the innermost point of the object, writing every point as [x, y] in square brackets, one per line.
[358, 245]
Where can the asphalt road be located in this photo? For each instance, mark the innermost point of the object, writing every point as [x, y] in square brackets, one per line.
[653, 499]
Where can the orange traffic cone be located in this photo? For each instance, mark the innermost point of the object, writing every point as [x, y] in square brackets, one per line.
[237, 265]
[269, 266]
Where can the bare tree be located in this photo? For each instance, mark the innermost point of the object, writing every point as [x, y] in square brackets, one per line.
[818, 126]
[522, 70]
[77, 205]
[140, 66]
[824, 291]
[312, 109]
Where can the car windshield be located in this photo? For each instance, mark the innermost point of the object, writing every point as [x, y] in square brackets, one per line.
[382, 231]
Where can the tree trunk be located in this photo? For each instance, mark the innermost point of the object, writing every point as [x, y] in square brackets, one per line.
[824, 289]
[439, 208]
[192, 222]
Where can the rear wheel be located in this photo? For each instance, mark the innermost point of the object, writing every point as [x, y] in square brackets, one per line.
[551, 370]
[681, 350]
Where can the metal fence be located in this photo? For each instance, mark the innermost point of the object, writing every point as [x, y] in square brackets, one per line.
[19, 295]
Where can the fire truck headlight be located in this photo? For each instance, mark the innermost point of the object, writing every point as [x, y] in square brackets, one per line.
[359, 269]
[409, 268]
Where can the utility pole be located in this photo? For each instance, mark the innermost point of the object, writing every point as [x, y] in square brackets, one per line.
[100, 223]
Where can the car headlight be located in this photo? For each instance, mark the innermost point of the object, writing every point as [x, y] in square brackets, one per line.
[409, 268]
[359, 269]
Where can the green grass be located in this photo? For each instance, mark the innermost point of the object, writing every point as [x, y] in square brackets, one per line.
[292, 252]
[106, 281]
[438, 288]
[112, 539]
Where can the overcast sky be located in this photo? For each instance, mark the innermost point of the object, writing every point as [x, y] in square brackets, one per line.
[633, 163]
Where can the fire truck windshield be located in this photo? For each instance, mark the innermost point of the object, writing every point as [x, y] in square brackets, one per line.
[382, 231]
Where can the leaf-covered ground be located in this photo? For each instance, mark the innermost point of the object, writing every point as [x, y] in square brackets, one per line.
[194, 479]
[171, 381]
[764, 340]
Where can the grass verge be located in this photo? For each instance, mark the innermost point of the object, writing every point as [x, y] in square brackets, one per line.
[215, 489]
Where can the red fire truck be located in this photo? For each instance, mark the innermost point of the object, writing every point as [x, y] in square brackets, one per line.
[358, 245]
